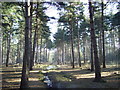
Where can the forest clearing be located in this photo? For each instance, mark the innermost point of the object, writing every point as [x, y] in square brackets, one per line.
[60, 44]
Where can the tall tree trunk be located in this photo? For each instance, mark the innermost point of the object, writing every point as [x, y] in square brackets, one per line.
[119, 35]
[72, 48]
[35, 39]
[1, 52]
[93, 38]
[84, 54]
[104, 65]
[118, 53]
[18, 52]
[25, 68]
[70, 52]
[100, 48]
[40, 48]
[30, 39]
[114, 41]
[36, 58]
[92, 62]
[78, 39]
[63, 53]
[8, 49]
[46, 54]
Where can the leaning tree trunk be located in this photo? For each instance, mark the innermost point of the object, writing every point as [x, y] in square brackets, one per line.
[8, 50]
[93, 38]
[25, 68]
[102, 27]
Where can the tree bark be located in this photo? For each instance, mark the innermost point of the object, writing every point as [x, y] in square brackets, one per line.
[63, 53]
[100, 48]
[25, 68]
[18, 52]
[36, 58]
[1, 52]
[104, 65]
[78, 39]
[84, 54]
[72, 48]
[30, 39]
[35, 39]
[92, 62]
[40, 48]
[46, 52]
[93, 38]
[8, 50]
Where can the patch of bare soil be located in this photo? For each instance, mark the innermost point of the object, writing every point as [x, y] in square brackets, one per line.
[83, 78]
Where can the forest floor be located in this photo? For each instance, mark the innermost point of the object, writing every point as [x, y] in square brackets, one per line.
[66, 77]
[62, 77]
[11, 77]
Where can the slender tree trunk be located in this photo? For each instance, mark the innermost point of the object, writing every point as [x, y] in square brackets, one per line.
[114, 41]
[40, 48]
[100, 48]
[63, 53]
[72, 48]
[78, 39]
[119, 44]
[8, 50]
[58, 61]
[84, 54]
[119, 36]
[92, 62]
[25, 68]
[30, 39]
[36, 58]
[1, 52]
[70, 52]
[18, 52]
[35, 39]
[93, 38]
[104, 65]
[46, 54]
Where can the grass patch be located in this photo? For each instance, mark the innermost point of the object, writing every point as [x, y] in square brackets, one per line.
[62, 77]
